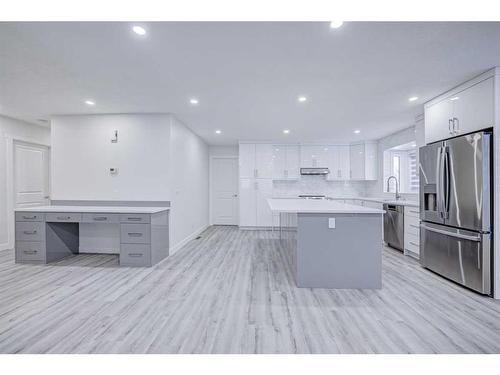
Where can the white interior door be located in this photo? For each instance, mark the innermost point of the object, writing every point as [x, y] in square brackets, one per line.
[224, 191]
[31, 174]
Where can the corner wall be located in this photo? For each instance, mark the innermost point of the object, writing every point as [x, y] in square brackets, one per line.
[13, 129]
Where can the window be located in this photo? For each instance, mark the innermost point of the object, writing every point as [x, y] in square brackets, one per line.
[401, 162]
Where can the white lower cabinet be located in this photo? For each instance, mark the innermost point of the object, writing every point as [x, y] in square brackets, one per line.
[412, 231]
[254, 209]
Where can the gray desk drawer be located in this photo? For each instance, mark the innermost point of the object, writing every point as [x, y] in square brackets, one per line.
[30, 251]
[62, 217]
[100, 218]
[135, 218]
[30, 231]
[29, 216]
[135, 255]
[135, 233]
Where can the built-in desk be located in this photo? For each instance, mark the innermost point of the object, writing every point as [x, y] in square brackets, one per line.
[48, 233]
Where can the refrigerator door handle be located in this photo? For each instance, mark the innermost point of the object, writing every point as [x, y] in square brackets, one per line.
[451, 234]
[439, 180]
[446, 182]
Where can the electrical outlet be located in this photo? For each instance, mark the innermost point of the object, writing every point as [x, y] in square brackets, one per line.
[331, 223]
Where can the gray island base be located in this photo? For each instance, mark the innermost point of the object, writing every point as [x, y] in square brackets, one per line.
[340, 248]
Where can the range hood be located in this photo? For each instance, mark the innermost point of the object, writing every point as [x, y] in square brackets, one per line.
[314, 171]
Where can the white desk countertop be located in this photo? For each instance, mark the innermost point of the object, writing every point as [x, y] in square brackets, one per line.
[318, 206]
[94, 209]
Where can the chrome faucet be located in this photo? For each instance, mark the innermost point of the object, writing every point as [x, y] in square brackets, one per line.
[398, 196]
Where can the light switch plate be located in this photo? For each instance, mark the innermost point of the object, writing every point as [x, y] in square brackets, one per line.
[331, 222]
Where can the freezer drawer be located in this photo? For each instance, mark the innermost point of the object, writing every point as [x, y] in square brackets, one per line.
[459, 255]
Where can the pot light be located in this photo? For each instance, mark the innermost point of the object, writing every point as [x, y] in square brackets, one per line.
[302, 99]
[286, 131]
[454, 98]
[139, 30]
[193, 101]
[336, 24]
[357, 131]
[218, 131]
[89, 102]
[413, 98]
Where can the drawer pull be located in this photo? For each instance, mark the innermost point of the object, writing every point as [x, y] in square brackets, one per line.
[29, 232]
[414, 244]
[415, 226]
[414, 212]
[100, 218]
[63, 217]
[134, 234]
[29, 217]
[135, 255]
[30, 252]
[134, 218]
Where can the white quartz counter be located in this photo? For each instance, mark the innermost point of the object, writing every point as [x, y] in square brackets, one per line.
[95, 209]
[318, 206]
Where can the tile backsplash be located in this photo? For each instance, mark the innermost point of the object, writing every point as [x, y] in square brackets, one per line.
[319, 185]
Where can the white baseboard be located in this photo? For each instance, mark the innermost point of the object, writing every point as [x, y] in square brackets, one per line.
[192, 236]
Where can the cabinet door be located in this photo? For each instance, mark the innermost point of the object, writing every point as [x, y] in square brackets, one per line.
[264, 191]
[371, 161]
[344, 162]
[247, 202]
[473, 108]
[292, 162]
[279, 162]
[357, 156]
[247, 160]
[334, 163]
[314, 156]
[437, 117]
[264, 160]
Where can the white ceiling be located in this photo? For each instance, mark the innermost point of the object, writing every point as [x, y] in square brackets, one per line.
[246, 75]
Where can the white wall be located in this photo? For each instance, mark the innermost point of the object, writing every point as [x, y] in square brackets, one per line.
[82, 154]
[413, 133]
[223, 151]
[189, 175]
[13, 129]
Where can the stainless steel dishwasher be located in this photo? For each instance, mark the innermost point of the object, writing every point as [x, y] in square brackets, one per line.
[394, 225]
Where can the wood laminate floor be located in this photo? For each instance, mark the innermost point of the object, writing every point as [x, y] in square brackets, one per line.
[232, 292]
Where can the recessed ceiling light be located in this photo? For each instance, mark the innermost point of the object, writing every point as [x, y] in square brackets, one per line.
[139, 30]
[336, 24]
[454, 98]
[357, 131]
[89, 102]
[218, 131]
[302, 99]
[286, 131]
[413, 98]
[194, 101]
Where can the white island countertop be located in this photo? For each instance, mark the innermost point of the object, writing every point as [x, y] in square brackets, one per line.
[318, 206]
[95, 209]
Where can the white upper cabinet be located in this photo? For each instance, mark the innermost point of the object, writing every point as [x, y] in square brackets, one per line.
[363, 160]
[460, 111]
[313, 156]
[339, 162]
[247, 160]
[286, 162]
[264, 160]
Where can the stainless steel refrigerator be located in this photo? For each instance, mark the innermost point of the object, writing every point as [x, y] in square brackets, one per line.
[456, 209]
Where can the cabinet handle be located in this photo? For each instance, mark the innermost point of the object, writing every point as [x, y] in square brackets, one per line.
[350, 173]
[63, 217]
[450, 123]
[29, 217]
[134, 218]
[29, 232]
[30, 252]
[255, 173]
[339, 173]
[134, 234]
[414, 212]
[135, 255]
[100, 218]
[456, 131]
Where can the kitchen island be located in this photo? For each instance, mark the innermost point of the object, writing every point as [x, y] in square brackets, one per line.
[329, 244]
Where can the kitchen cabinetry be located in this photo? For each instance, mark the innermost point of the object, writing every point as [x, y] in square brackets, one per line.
[412, 231]
[286, 162]
[363, 161]
[338, 162]
[314, 156]
[254, 210]
[465, 109]
[255, 160]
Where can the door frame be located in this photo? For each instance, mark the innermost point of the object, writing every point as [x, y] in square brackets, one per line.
[210, 186]
[9, 164]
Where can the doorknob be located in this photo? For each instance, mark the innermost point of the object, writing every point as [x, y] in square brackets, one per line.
[235, 195]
